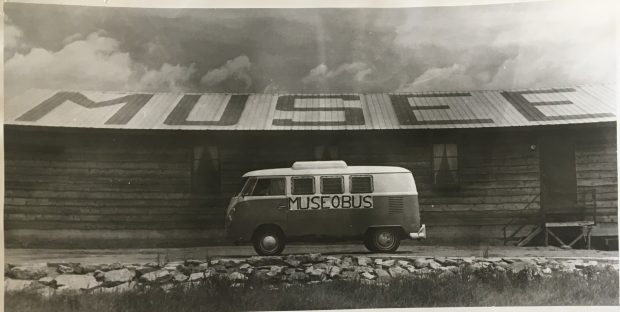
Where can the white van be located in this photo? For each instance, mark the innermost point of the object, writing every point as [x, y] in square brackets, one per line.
[325, 200]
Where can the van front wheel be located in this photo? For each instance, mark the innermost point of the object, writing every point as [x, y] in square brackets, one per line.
[268, 242]
[383, 240]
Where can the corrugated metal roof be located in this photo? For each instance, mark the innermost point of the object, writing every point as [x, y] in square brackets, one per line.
[219, 111]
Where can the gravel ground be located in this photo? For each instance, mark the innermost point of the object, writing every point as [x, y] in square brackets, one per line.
[23, 256]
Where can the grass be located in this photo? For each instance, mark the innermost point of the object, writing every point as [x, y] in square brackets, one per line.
[465, 288]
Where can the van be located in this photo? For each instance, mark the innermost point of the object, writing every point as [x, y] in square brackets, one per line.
[325, 200]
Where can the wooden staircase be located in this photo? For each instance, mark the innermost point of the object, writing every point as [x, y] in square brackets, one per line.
[541, 223]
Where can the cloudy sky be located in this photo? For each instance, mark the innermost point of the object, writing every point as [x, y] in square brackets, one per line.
[502, 46]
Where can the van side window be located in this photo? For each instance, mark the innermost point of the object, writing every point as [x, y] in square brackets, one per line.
[269, 187]
[361, 184]
[302, 185]
[332, 185]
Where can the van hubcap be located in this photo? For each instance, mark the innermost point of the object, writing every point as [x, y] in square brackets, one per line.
[385, 239]
[269, 242]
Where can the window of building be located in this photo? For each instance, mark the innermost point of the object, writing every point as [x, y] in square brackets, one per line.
[332, 185]
[302, 185]
[361, 184]
[269, 187]
[205, 178]
[445, 165]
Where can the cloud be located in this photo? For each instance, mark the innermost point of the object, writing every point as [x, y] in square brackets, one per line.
[322, 77]
[72, 38]
[454, 76]
[274, 88]
[168, 77]
[12, 36]
[93, 63]
[235, 71]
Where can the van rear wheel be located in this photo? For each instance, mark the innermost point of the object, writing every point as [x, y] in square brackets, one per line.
[268, 242]
[367, 244]
[383, 240]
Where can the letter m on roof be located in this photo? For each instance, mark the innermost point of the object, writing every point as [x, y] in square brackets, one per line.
[132, 103]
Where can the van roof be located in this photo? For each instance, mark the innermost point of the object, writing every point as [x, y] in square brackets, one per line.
[324, 168]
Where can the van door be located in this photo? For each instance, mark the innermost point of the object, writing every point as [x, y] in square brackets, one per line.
[316, 208]
[267, 201]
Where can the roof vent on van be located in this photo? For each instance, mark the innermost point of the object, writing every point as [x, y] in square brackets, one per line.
[319, 164]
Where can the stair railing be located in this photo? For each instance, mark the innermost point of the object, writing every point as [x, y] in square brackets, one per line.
[519, 216]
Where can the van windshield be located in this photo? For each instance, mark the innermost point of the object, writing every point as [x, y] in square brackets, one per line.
[248, 185]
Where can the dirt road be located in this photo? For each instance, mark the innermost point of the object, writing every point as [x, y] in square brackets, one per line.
[22, 256]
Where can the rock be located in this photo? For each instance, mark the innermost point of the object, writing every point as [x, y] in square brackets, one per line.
[75, 282]
[220, 268]
[402, 263]
[313, 272]
[298, 277]
[244, 266]
[200, 268]
[361, 269]
[434, 265]
[349, 275]
[410, 268]
[508, 260]
[363, 261]
[493, 259]
[193, 262]
[334, 271]
[420, 263]
[502, 265]
[118, 276]
[64, 269]
[236, 276]
[315, 257]
[398, 272]
[276, 269]
[116, 266]
[197, 276]
[446, 261]
[382, 274]
[99, 275]
[85, 268]
[289, 271]
[145, 269]
[118, 288]
[520, 266]
[292, 263]
[178, 277]
[17, 285]
[48, 281]
[156, 276]
[368, 276]
[262, 261]
[468, 260]
[28, 272]
[378, 261]
[388, 263]
[546, 271]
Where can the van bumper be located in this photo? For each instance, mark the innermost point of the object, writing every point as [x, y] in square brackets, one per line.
[421, 234]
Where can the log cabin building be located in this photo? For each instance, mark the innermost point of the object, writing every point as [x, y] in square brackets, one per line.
[106, 169]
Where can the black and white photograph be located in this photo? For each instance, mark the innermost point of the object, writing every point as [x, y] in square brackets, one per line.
[310, 155]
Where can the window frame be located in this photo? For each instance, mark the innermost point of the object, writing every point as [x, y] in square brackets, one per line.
[372, 183]
[268, 178]
[253, 180]
[434, 160]
[299, 178]
[332, 176]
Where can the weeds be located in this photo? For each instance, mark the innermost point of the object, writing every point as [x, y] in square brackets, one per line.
[466, 287]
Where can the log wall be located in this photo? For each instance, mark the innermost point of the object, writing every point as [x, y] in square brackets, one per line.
[120, 189]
